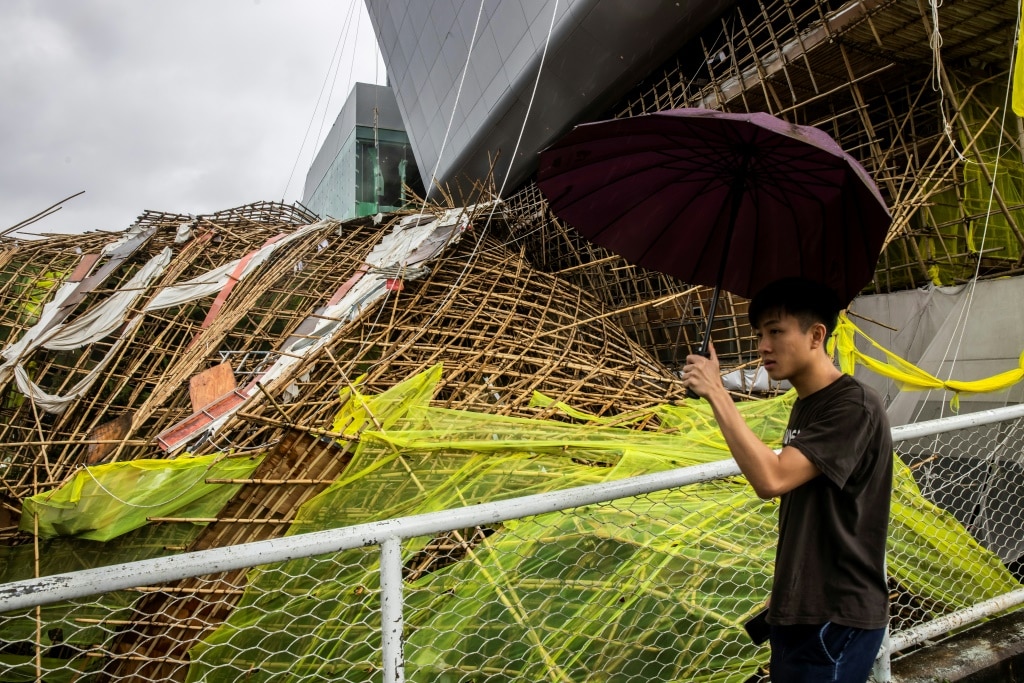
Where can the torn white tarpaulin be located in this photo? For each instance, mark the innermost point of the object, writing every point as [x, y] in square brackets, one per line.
[94, 325]
[12, 352]
[32, 339]
[105, 318]
[57, 404]
[131, 233]
[184, 232]
[401, 253]
[212, 281]
[102, 320]
[61, 304]
[205, 284]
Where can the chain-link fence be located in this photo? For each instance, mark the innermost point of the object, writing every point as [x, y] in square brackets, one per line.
[648, 578]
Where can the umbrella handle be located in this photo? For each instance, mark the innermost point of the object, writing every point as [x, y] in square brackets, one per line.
[705, 344]
[736, 199]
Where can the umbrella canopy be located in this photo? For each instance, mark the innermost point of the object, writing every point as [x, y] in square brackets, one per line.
[726, 200]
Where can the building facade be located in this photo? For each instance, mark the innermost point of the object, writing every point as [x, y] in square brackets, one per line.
[593, 52]
[365, 164]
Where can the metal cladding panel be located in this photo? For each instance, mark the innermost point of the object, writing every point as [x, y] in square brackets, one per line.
[459, 118]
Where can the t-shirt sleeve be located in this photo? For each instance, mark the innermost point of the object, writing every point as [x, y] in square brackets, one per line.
[836, 439]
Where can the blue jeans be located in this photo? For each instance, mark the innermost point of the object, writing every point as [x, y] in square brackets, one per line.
[820, 653]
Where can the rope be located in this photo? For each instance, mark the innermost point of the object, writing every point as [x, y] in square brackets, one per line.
[960, 329]
[334, 81]
[145, 507]
[455, 105]
[526, 117]
[935, 42]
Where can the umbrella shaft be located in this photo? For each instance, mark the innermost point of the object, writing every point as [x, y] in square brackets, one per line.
[703, 350]
[739, 181]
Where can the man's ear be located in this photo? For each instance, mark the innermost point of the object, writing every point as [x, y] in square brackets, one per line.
[819, 334]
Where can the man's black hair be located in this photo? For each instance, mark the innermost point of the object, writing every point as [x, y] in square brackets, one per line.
[808, 301]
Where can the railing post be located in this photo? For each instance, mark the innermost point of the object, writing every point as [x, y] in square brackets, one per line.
[391, 609]
[882, 672]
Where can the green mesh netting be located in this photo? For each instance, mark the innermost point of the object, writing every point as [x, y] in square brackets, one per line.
[103, 502]
[652, 587]
[99, 518]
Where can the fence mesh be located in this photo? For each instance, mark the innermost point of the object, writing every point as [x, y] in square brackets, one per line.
[652, 587]
[976, 475]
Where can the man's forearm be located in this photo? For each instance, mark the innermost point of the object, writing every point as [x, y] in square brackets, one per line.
[757, 461]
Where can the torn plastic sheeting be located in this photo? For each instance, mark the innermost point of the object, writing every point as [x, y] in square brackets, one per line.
[696, 557]
[54, 404]
[103, 502]
[12, 352]
[90, 327]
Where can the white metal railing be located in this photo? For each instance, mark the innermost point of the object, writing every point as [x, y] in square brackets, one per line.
[389, 534]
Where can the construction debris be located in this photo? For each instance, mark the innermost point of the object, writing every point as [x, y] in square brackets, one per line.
[118, 347]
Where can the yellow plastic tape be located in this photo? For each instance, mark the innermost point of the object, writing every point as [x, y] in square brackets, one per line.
[908, 376]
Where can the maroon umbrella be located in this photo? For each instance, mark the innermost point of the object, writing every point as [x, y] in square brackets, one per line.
[730, 201]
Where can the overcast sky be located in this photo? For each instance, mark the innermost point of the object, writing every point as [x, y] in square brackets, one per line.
[189, 106]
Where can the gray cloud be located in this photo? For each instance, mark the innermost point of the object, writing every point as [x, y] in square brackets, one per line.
[173, 105]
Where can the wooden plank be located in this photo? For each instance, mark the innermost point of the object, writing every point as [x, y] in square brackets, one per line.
[182, 432]
[84, 266]
[209, 385]
[110, 433]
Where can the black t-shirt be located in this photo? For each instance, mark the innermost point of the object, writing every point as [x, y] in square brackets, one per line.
[830, 560]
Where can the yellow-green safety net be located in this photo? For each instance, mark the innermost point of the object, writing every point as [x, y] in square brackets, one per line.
[103, 502]
[658, 583]
[655, 583]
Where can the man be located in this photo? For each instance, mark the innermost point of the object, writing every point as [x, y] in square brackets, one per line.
[829, 600]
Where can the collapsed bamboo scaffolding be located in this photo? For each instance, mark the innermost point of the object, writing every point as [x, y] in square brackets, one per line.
[520, 304]
[929, 125]
[501, 328]
[601, 333]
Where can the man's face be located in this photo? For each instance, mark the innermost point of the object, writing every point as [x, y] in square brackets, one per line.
[786, 349]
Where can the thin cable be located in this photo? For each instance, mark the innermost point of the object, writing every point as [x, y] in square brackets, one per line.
[494, 204]
[455, 106]
[113, 495]
[966, 309]
[935, 42]
[501, 190]
[334, 81]
[312, 117]
[533, 95]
